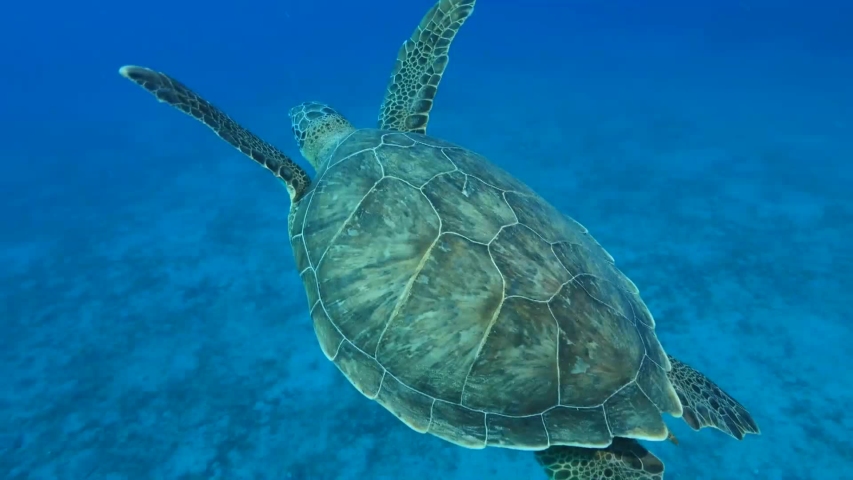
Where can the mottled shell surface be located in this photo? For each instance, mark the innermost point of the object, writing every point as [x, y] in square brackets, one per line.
[468, 306]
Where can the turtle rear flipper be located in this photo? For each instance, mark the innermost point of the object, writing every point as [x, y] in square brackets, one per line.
[707, 405]
[624, 459]
[419, 67]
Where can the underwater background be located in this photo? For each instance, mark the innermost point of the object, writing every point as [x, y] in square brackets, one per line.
[153, 324]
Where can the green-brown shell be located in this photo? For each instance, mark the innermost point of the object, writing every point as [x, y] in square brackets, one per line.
[457, 298]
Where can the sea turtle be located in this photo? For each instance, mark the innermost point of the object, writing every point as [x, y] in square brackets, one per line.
[459, 299]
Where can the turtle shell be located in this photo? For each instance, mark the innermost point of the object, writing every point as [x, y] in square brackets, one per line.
[468, 306]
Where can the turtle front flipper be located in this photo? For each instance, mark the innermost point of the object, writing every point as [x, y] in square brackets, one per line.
[169, 90]
[420, 65]
[707, 405]
[624, 459]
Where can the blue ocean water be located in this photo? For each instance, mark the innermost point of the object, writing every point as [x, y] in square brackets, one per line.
[152, 321]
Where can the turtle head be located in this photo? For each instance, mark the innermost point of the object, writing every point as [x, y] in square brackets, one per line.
[317, 128]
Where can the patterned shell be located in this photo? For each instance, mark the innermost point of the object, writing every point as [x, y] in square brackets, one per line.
[457, 298]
